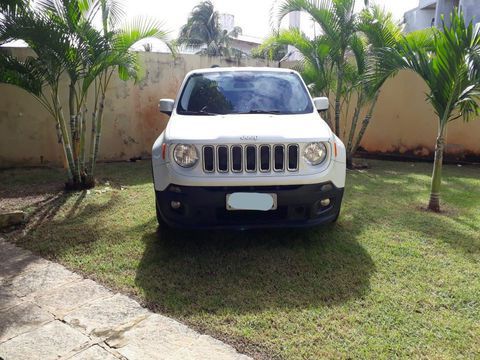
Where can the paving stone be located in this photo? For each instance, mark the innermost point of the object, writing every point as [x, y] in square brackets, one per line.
[8, 249]
[8, 299]
[49, 341]
[101, 317]
[42, 279]
[32, 289]
[14, 260]
[20, 264]
[71, 296]
[20, 319]
[159, 337]
[94, 352]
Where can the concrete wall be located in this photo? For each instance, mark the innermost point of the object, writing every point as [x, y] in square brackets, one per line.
[418, 19]
[421, 17]
[403, 121]
[471, 10]
[131, 119]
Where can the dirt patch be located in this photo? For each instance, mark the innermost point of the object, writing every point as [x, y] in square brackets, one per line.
[28, 197]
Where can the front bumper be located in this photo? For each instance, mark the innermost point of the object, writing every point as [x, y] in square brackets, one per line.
[205, 207]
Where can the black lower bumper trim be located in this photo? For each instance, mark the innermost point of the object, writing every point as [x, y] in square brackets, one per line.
[205, 207]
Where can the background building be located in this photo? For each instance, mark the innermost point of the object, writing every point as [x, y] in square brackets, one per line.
[245, 43]
[429, 12]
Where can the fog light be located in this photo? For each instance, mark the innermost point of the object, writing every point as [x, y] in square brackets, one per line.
[175, 204]
[327, 187]
[325, 202]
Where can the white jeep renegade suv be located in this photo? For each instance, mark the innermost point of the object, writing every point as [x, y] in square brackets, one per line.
[245, 148]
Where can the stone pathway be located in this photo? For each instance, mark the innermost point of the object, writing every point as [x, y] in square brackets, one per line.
[49, 312]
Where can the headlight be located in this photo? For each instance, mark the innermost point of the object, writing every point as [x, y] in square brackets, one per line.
[315, 153]
[185, 155]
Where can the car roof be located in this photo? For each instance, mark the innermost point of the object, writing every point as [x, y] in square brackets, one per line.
[240, 69]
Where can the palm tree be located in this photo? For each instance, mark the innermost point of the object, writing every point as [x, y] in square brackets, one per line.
[336, 64]
[64, 40]
[450, 67]
[317, 68]
[336, 19]
[122, 36]
[203, 30]
[376, 30]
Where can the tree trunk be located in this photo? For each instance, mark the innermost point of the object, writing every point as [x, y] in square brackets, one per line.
[83, 128]
[365, 123]
[74, 133]
[434, 203]
[337, 99]
[349, 161]
[327, 118]
[90, 181]
[98, 130]
[66, 145]
[353, 128]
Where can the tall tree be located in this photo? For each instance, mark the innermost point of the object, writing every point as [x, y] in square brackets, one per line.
[334, 65]
[450, 67]
[336, 19]
[62, 36]
[202, 31]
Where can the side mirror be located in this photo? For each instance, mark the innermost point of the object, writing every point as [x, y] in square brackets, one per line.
[321, 103]
[166, 106]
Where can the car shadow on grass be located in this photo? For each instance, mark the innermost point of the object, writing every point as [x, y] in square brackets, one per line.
[190, 272]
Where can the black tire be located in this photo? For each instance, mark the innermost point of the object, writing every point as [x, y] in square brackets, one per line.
[336, 217]
[164, 230]
[160, 220]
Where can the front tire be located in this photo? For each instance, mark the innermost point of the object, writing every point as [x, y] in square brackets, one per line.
[336, 217]
[163, 230]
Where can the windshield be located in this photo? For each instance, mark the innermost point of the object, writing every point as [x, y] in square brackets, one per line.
[244, 92]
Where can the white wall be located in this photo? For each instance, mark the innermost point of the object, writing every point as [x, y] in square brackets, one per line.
[418, 19]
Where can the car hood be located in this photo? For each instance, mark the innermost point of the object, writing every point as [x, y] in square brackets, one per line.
[243, 128]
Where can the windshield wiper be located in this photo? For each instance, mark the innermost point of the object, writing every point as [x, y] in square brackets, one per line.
[256, 111]
[201, 112]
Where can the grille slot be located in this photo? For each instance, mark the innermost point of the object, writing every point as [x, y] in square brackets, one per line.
[265, 158]
[236, 158]
[278, 158]
[292, 157]
[208, 159]
[222, 156]
[250, 158]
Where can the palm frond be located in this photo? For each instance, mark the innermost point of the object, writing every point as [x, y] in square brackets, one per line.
[12, 7]
[24, 74]
[138, 29]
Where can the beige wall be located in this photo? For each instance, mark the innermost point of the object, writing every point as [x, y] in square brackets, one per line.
[402, 122]
[131, 121]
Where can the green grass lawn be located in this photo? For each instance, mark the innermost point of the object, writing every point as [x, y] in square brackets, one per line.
[388, 280]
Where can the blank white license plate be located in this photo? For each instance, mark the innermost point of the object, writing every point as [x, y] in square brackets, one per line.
[251, 201]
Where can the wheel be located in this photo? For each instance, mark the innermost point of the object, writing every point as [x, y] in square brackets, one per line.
[164, 230]
[336, 217]
[160, 220]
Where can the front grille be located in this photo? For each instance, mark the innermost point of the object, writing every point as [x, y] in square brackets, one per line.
[250, 158]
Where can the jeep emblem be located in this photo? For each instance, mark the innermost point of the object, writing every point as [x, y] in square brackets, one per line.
[251, 138]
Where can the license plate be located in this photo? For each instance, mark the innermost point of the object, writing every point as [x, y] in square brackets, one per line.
[251, 201]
